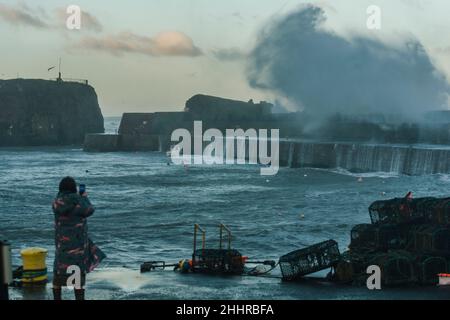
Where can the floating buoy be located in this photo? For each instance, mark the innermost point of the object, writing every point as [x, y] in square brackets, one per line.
[34, 266]
[184, 266]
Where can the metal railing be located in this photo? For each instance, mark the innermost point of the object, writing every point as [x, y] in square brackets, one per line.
[82, 81]
[196, 229]
[222, 228]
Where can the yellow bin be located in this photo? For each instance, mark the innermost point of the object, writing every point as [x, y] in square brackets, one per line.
[34, 266]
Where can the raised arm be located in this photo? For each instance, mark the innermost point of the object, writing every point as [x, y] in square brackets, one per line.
[84, 208]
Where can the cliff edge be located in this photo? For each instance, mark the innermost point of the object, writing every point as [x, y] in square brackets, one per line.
[42, 112]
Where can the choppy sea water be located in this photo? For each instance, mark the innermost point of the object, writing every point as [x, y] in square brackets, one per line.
[146, 210]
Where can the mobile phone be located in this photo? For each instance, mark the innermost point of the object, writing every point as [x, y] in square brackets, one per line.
[82, 188]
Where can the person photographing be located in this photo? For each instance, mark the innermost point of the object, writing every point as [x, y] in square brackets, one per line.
[71, 209]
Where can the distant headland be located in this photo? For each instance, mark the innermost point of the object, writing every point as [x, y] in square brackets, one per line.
[45, 112]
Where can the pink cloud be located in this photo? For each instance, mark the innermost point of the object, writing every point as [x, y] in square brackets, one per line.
[168, 43]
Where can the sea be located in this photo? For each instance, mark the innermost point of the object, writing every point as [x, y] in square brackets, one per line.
[146, 210]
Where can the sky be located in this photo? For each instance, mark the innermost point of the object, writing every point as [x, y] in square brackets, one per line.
[153, 55]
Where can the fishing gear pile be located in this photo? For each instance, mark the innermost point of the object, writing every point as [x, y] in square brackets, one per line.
[221, 261]
[409, 239]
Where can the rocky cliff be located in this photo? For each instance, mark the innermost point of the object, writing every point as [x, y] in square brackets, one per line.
[41, 112]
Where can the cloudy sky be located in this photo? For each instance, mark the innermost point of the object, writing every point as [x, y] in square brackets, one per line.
[152, 55]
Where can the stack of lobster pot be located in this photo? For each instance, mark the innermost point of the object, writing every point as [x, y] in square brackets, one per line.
[409, 239]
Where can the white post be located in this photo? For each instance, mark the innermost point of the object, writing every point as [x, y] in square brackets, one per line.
[5, 269]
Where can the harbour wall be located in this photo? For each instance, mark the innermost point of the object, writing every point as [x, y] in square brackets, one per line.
[354, 157]
[403, 159]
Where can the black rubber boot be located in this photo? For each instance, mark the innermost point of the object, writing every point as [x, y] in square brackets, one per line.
[57, 294]
[79, 294]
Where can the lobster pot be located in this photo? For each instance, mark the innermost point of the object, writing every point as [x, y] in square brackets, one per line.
[425, 207]
[309, 260]
[432, 239]
[345, 272]
[357, 259]
[397, 268]
[429, 268]
[218, 261]
[439, 211]
[399, 210]
[34, 266]
[366, 237]
[362, 237]
[351, 266]
[385, 211]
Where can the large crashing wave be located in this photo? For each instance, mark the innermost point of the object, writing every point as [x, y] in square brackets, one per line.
[324, 73]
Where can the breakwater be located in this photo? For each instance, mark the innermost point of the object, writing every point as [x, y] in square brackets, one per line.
[410, 160]
[354, 157]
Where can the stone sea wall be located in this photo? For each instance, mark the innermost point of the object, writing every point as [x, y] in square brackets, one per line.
[410, 160]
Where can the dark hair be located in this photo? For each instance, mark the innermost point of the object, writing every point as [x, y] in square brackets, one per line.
[68, 185]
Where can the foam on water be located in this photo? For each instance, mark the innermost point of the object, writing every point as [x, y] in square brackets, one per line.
[382, 175]
[123, 278]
